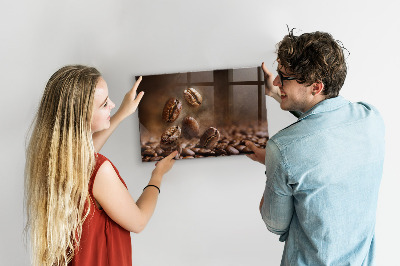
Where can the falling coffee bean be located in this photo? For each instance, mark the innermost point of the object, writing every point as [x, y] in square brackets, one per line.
[193, 97]
[171, 135]
[190, 127]
[171, 110]
[209, 138]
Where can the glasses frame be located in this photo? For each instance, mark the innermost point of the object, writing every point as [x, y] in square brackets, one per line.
[282, 78]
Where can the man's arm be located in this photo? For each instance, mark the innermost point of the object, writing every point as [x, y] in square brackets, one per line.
[128, 106]
[276, 206]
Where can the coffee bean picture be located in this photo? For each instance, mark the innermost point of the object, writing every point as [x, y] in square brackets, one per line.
[202, 114]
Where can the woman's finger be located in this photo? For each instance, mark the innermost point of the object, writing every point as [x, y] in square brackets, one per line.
[135, 86]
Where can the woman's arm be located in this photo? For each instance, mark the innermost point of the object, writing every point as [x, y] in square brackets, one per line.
[116, 201]
[128, 107]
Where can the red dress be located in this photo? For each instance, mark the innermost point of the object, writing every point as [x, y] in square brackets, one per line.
[103, 241]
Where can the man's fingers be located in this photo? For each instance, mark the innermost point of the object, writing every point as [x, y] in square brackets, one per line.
[251, 156]
[265, 69]
[251, 146]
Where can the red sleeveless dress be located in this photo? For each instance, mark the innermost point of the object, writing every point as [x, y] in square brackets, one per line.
[103, 241]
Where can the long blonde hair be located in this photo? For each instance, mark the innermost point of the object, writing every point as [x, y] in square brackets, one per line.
[59, 161]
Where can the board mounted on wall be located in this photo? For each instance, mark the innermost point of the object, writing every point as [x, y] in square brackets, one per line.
[202, 114]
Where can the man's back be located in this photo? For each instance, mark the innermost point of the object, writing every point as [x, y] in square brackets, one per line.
[329, 165]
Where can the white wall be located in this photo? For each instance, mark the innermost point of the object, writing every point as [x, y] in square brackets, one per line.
[208, 208]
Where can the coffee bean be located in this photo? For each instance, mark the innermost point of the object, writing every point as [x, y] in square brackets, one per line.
[187, 152]
[246, 150]
[261, 134]
[206, 152]
[240, 147]
[158, 150]
[234, 142]
[220, 152]
[190, 145]
[221, 146]
[171, 135]
[149, 152]
[145, 147]
[172, 109]
[190, 127]
[254, 139]
[231, 150]
[157, 158]
[193, 97]
[196, 150]
[209, 138]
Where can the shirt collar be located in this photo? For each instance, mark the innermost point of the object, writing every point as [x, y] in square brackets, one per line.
[325, 106]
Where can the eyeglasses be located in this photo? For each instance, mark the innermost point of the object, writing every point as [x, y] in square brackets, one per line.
[282, 78]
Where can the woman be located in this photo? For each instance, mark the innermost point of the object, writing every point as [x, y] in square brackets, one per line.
[78, 207]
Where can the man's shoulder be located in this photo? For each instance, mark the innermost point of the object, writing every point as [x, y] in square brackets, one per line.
[288, 135]
[320, 123]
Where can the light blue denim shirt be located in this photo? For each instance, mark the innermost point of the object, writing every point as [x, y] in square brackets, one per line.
[323, 175]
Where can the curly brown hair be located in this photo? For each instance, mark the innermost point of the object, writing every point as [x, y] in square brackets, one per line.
[314, 57]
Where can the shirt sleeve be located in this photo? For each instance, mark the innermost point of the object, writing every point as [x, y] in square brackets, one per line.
[277, 209]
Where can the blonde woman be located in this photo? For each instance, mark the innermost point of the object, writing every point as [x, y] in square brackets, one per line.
[78, 207]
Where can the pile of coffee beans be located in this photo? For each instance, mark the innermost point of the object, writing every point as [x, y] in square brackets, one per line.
[231, 142]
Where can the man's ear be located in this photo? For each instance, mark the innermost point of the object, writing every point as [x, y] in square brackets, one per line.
[317, 88]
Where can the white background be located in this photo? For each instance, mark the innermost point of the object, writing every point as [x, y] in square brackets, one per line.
[208, 208]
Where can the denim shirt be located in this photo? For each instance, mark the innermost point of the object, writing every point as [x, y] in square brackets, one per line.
[323, 176]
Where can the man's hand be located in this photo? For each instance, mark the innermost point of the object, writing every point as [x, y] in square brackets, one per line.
[270, 89]
[259, 154]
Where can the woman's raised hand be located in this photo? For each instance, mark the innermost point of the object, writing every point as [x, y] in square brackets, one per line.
[131, 100]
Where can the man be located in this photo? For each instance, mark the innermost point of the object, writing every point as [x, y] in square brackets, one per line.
[324, 170]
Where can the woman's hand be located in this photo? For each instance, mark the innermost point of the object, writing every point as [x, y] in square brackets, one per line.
[163, 166]
[270, 89]
[128, 107]
[131, 101]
